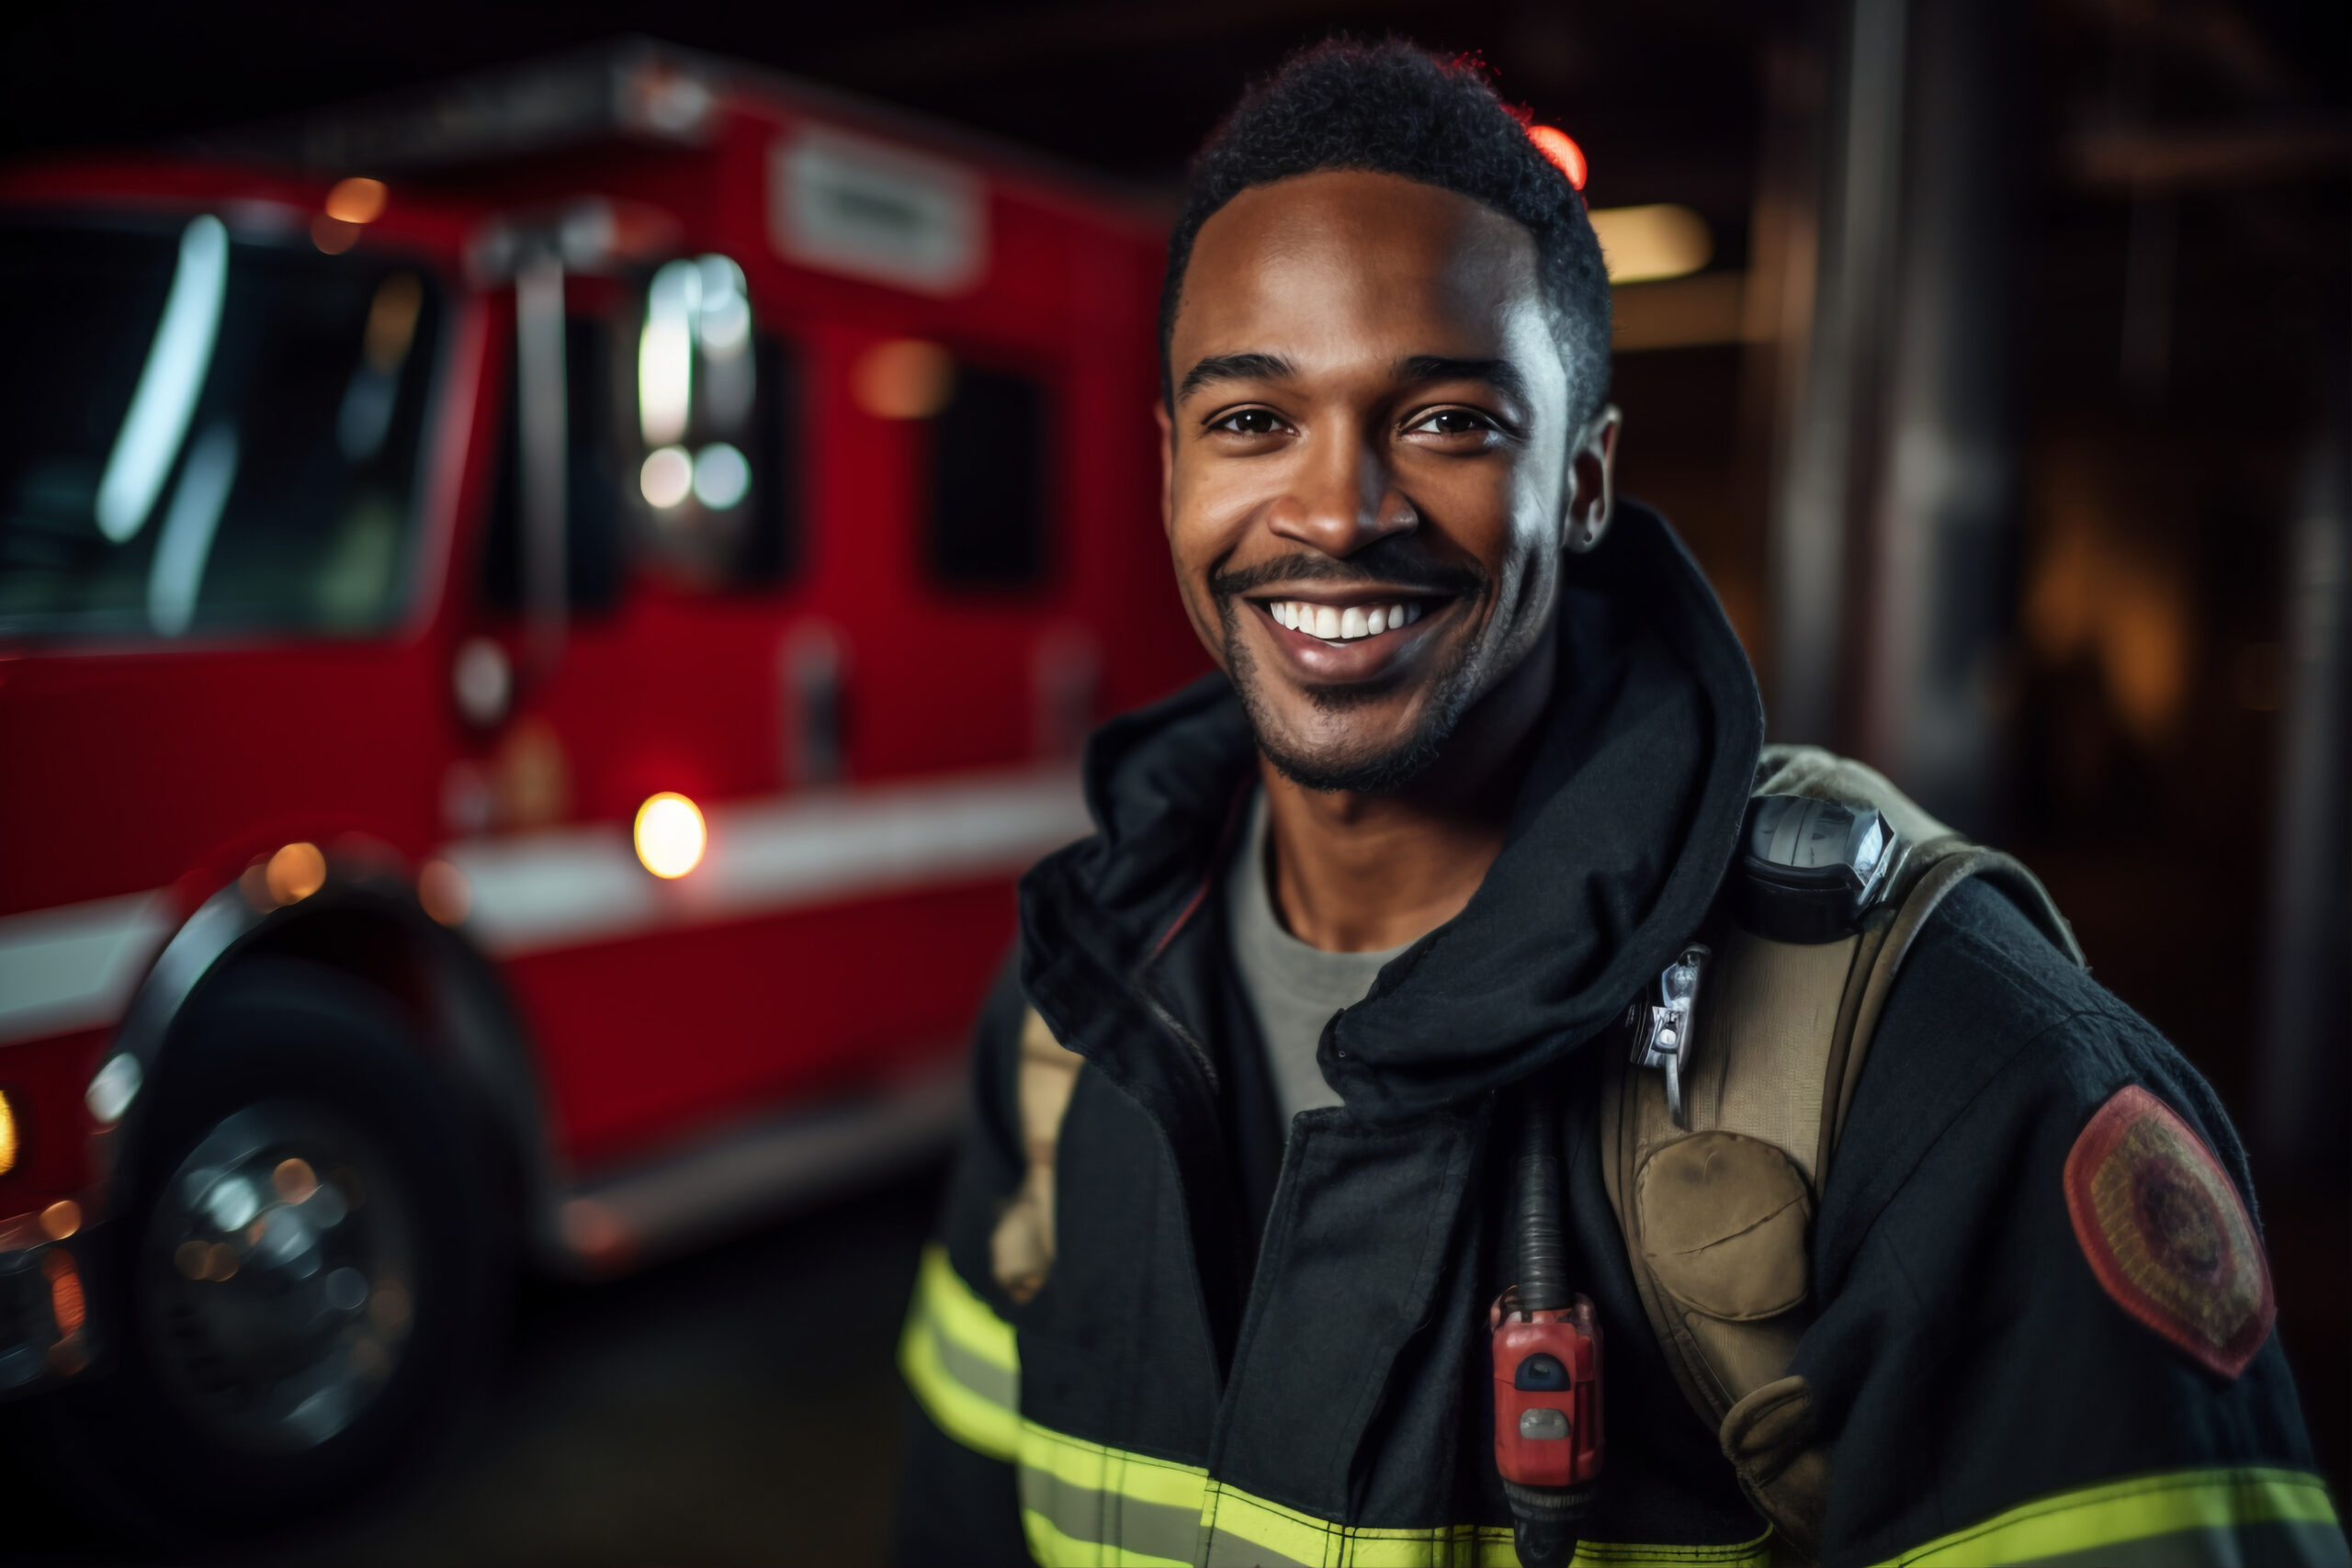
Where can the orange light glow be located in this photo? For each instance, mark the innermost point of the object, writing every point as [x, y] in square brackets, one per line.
[669, 834]
[64, 1293]
[444, 891]
[296, 872]
[332, 234]
[906, 378]
[294, 1180]
[61, 1219]
[392, 321]
[594, 1233]
[1561, 149]
[7, 1137]
[356, 200]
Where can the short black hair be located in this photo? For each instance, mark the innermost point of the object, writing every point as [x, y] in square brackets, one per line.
[1394, 108]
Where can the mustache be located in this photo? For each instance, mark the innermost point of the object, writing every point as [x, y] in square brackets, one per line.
[1373, 567]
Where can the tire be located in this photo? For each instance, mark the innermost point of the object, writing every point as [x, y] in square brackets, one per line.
[305, 1289]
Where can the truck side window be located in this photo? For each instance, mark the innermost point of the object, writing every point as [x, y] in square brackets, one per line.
[989, 491]
[592, 563]
[717, 410]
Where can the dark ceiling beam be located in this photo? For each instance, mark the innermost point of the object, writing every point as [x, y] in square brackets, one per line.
[984, 45]
[2133, 158]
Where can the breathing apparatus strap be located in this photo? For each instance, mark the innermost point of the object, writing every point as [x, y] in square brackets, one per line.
[1717, 1207]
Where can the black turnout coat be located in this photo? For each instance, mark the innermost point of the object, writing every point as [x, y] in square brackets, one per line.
[1267, 1344]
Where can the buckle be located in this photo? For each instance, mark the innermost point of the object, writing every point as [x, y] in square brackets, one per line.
[1661, 1030]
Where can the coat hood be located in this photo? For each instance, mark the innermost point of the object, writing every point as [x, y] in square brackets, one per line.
[1621, 834]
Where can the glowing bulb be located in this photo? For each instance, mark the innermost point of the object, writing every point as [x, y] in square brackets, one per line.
[666, 353]
[906, 378]
[296, 872]
[722, 477]
[667, 477]
[1643, 243]
[61, 1219]
[669, 834]
[7, 1137]
[356, 200]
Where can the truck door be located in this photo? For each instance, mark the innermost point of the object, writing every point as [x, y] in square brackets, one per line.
[677, 562]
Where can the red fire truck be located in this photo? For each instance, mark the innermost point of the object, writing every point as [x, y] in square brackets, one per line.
[539, 624]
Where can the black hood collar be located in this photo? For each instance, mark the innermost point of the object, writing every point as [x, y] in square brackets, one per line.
[1622, 833]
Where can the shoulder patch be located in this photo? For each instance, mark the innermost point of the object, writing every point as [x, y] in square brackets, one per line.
[2166, 1233]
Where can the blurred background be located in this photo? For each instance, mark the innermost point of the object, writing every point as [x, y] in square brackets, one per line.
[1996, 361]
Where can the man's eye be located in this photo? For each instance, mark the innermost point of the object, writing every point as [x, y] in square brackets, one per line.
[1249, 422]
[1454, 421]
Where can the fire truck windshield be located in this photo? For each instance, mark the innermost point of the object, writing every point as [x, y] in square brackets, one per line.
[204, 429]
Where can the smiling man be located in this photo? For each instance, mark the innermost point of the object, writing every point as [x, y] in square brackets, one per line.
[1449, 1028]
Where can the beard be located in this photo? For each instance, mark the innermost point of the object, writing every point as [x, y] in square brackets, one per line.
[1366, 767]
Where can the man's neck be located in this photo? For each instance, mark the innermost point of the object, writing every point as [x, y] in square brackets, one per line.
[1360, 873]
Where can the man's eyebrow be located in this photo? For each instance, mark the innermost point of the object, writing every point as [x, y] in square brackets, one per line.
[1235, 367]
[1499, 373]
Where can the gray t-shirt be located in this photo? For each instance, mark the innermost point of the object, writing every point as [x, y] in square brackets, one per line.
[1293, 987]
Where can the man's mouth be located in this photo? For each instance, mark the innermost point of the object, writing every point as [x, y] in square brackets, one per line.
[1343, 623]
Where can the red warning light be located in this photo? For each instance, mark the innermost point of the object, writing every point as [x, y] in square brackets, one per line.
[1558, 146]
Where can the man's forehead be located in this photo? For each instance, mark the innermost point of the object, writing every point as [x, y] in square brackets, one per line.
[1362, 256]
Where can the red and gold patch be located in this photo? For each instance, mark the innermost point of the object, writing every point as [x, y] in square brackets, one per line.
[2166, 1233]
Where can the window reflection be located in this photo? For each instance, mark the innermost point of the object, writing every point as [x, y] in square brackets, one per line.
[199, 432]
[712, 409]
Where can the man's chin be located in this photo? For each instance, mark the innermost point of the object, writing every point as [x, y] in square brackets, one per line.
[1362, 764]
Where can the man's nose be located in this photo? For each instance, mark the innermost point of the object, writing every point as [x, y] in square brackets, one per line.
[1340, 499]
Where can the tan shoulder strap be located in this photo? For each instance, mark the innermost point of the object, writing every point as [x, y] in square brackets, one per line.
[1020, 1250]
[1716, 1212]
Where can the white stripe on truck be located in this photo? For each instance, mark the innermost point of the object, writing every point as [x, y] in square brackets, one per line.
[75, 966]
[573, 886]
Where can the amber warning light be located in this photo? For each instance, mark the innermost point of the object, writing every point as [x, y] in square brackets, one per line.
[669, 834]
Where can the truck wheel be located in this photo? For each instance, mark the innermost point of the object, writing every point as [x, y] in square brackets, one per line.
[302, 1292]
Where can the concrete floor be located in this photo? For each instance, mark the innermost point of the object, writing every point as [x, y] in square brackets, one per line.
[738, 1407]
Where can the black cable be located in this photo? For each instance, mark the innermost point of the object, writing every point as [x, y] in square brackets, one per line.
[1542, 1262]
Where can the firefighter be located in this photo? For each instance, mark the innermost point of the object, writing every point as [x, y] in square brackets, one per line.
[1315, 1057]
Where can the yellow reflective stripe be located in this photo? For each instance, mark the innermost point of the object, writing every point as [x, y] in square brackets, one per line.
[961, 1314]
[2122, 1512]
[947, 1323]
[1080, 1463]
[1092, 1493]
[1302, 1538]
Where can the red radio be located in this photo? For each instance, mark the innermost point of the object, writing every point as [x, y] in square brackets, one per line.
[1547, 1393]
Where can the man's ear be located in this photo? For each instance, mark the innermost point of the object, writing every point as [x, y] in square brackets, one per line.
[1166, 466]
[1592, 484]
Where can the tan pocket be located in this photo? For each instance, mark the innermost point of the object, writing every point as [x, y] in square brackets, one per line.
[1723, 1225]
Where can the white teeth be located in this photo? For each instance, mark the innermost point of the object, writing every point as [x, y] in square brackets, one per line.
[1342, 625]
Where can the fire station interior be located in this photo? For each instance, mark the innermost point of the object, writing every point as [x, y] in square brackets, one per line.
[2028, 326]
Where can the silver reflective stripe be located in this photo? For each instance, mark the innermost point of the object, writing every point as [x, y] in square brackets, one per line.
[1106, 1518]
[1227, 1549]
[2289, 1544]
[568, 887]
[998, 1385]
[75, 967]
